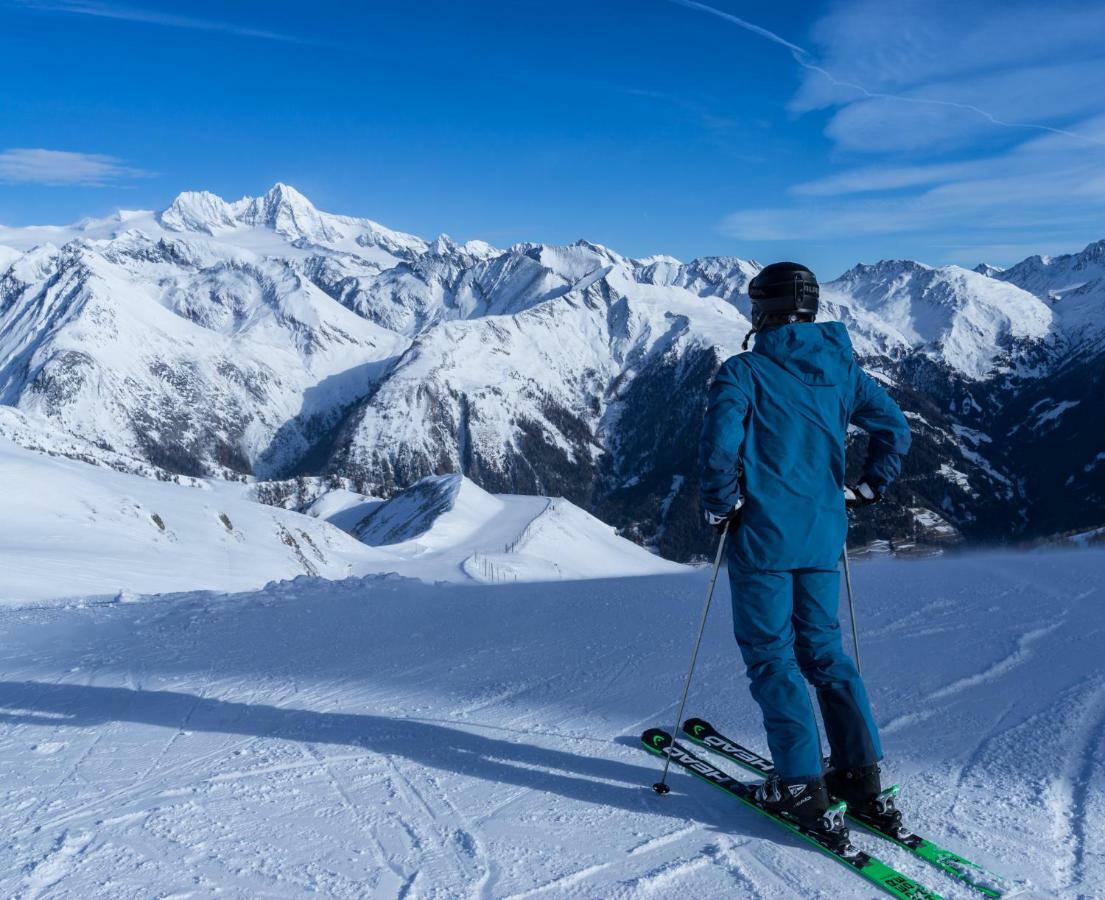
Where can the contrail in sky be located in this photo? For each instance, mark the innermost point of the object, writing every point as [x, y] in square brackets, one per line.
[803, 57]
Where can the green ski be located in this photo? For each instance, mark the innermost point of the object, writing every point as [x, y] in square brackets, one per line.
[835, 844]
[705, 735]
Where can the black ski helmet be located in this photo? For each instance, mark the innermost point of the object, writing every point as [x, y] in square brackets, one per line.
[783, 292]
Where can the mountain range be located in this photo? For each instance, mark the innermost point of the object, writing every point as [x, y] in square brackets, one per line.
[265, 339]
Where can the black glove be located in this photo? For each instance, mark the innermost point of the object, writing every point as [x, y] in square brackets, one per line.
[862, 494]
[727, 522]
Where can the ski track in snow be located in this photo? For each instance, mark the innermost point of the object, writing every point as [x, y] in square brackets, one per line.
[1071, 791]
[1001, 667]
[1017, 657]
[318, 737]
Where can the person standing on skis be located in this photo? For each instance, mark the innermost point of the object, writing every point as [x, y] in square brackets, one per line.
[772, 478]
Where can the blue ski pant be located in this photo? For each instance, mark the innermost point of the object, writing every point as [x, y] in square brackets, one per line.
[789, 635]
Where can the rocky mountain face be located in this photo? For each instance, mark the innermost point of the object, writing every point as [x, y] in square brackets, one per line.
[265, 338]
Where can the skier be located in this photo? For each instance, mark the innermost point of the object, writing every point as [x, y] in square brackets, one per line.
[772, 474]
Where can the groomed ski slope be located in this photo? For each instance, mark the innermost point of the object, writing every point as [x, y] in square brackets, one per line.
[387, 738]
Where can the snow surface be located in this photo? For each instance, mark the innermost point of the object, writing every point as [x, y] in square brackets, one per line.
[343, 508]
[1051, 414]
[446, 522]
[388, 738]
[72, 529]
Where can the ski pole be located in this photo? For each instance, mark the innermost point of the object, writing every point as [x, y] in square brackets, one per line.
[851, 606]
[661, 786]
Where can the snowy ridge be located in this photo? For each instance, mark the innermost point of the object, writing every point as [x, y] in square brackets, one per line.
[963, 318]
[444, 522]
[1074, 286]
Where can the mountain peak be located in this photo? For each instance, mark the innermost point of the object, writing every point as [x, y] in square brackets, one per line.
[1094, 252]
[282, 208]
[281, 189]
[198, 211]
[884, 269]
[285, 195]
[990, 271]
[277, 201]
[443, 245]
[286, 211]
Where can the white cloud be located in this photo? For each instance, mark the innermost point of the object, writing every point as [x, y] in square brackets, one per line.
[901, 45]
[909, 74]
[742, 23]
[62, 167]
[1023, 193]
[834, 83]
[974, 125]
[875, 178]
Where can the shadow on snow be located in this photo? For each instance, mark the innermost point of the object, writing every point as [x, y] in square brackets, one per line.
[587, 778]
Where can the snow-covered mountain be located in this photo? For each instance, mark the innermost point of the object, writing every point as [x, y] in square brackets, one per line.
[968, 322]
[1073, 285]
[203, 354]
[263, 337]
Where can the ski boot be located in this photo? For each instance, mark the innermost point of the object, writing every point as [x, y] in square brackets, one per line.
[807, 803]
[862, 790]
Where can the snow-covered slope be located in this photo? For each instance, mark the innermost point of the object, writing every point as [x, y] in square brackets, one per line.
[70, 529]
[444, 523]
[492, 394]
[383, 738]
[75, 530]
[342, 507]
[34, 433]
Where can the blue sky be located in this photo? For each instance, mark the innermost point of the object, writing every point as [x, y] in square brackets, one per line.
[947, 132]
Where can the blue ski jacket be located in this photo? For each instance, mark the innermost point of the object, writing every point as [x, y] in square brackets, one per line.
[774, 434]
